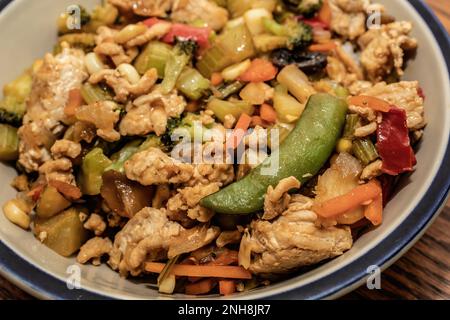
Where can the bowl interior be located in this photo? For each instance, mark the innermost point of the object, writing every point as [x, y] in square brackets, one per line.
[28, 31]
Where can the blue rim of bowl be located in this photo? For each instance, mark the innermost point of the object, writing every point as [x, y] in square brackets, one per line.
[43, 285]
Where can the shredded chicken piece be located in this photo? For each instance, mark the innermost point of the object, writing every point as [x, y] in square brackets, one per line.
[151, 113]
[96, 224]
[59, 170]
[93, 250]
[206, 117]
[359, 86]
[228, 237]
[209, 12]
[148, 8]
[155, 32]
[45, 107]
[373, 170]
[187, 200]
[153, 167]
[65, 148]
[350, 63]
[383, 49]
[277, 199]
[116, 52]
[348, 17]
[291, 241]
[365, 112]
[337, 71]
[122, 88]
[103, 115]
[229, 122]
[405, 95]
[150, 236]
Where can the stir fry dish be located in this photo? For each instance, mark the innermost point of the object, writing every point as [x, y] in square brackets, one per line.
[212, 146]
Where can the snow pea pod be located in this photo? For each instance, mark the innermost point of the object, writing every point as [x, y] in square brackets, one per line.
[302, 155]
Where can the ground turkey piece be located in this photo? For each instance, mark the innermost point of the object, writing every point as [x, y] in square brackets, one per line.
[348, 17]
[383, 49]
[93, 250]
[404, 95]
[150, 8]
[291, 241]
[189, 11]
[150, 236]
[45, 108]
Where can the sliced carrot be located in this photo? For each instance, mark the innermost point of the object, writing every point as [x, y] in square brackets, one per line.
[324, 13]
[323, 47]
[200, 287]
[239, 131]
[182, 270]
[216, 79]
[68, 190]
[349, 201]
[227, 287]
[268, 113]
[74, 101]
[259, 71]
[225, 259]
[370, 102]
[374, 211]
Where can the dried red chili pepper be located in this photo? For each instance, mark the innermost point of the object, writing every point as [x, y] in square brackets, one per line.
[393, 143]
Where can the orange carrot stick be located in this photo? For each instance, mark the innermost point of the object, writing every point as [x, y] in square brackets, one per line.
[268, 113]
[239, 131]
[260, 70]
[227, 287]
[325, 14]
[349, 201]
[374, 211]
[183, 270]
[216, 79]
[323, 47]
[201, 287]
[370, 102]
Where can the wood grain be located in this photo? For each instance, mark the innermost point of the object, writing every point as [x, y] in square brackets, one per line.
[423, 273]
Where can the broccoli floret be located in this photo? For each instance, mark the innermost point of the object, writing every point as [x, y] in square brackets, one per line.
[297, 34]
[166, 138]
[307, 8]
[186, 47]
[10, 118]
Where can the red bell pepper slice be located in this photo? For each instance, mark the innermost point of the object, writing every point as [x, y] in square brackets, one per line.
[393, 143]
[315, 23]
[199, 35]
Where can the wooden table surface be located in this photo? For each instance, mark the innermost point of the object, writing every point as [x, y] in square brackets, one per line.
[423, 273]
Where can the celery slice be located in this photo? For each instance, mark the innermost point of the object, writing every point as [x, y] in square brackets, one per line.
[92, 168]
[9, 143]
[222, 108]
[155, 55]
[192, 84]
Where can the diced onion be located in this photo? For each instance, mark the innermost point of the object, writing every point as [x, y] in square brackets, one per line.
[129, 72]
[236, 70]
[254, 20]
[168, 284]
[130, 32]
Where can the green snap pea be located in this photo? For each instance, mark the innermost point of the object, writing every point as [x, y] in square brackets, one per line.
[302, 155]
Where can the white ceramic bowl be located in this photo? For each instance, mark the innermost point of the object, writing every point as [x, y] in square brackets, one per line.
[27, 30]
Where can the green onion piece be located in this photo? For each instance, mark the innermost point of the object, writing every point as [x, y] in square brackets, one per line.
[9, 143]
[192, 84]
[351, 122]
[365, 151]
[167, 268]
[93, 166]
[123, 155]
[93, 93]
[226, 90]
[155, 55]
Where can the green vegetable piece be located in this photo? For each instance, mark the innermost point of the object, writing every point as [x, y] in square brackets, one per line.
[233, 46]
[192, 84]
[365, 151]
[226, 90]
[181, 56]
[93, 93]
[155, 55]
[307, 8]
[302, 155]
[297, 33]
[92, 168]
[83, 41]
[123, 155]
[9, 143]
[13, 106]
[351, 123]
[50, 203]
[64, 233]
[221, 108]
